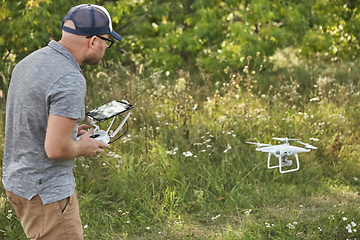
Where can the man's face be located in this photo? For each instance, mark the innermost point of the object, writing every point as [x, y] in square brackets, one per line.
[95, 57]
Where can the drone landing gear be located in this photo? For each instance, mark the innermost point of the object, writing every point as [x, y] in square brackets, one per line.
[283, 162]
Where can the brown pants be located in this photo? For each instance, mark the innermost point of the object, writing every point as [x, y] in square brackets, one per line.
[54, 221]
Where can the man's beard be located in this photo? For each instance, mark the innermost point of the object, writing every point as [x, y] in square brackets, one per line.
[91, 61]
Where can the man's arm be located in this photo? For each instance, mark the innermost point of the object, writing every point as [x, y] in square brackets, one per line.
[60, 146]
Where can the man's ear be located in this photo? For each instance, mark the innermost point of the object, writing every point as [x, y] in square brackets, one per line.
[91, 43]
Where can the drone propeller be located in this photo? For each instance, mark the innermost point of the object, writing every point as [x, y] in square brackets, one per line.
[307, 146]
[285, 139]
[259, 145]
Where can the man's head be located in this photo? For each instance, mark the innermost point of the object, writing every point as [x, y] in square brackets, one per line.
[89, 20]
[86, 30]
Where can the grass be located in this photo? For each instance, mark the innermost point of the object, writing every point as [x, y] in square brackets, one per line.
[183, 171]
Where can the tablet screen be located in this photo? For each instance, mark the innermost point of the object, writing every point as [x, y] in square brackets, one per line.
[109, 110]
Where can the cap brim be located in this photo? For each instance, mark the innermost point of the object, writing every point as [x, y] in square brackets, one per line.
[116, 35]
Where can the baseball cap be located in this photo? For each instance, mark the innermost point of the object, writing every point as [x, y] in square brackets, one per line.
[89, 20]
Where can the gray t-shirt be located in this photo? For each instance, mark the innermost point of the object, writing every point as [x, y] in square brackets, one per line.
[48, 80]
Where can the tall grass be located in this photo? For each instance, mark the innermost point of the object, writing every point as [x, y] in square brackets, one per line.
[183, 171]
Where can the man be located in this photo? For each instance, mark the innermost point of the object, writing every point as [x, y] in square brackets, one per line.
[45, 103]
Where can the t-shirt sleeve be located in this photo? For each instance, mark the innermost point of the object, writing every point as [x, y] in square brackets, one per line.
[67, 96]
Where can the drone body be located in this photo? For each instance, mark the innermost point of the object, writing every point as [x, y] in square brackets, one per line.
[282, 152]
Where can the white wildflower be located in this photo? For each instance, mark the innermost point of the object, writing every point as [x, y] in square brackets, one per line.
[187, 154]
[291, 226]
[228, 148]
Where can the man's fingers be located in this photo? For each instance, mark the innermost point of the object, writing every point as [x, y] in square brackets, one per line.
[104, 145]
[84, 126]
[89, 132]
[81, 132]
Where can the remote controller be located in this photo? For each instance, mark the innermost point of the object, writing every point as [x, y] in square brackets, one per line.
[100, 135]
[107, 111]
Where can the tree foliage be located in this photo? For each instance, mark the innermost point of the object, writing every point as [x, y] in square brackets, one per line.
[211, 35]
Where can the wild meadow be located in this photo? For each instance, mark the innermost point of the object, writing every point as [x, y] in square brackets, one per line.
[184, 171]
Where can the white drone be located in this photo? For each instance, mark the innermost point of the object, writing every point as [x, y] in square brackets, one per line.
[283, 151]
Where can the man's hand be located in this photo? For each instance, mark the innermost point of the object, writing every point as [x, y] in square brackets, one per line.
[90, 146]
[82, 129]
[60, 146]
